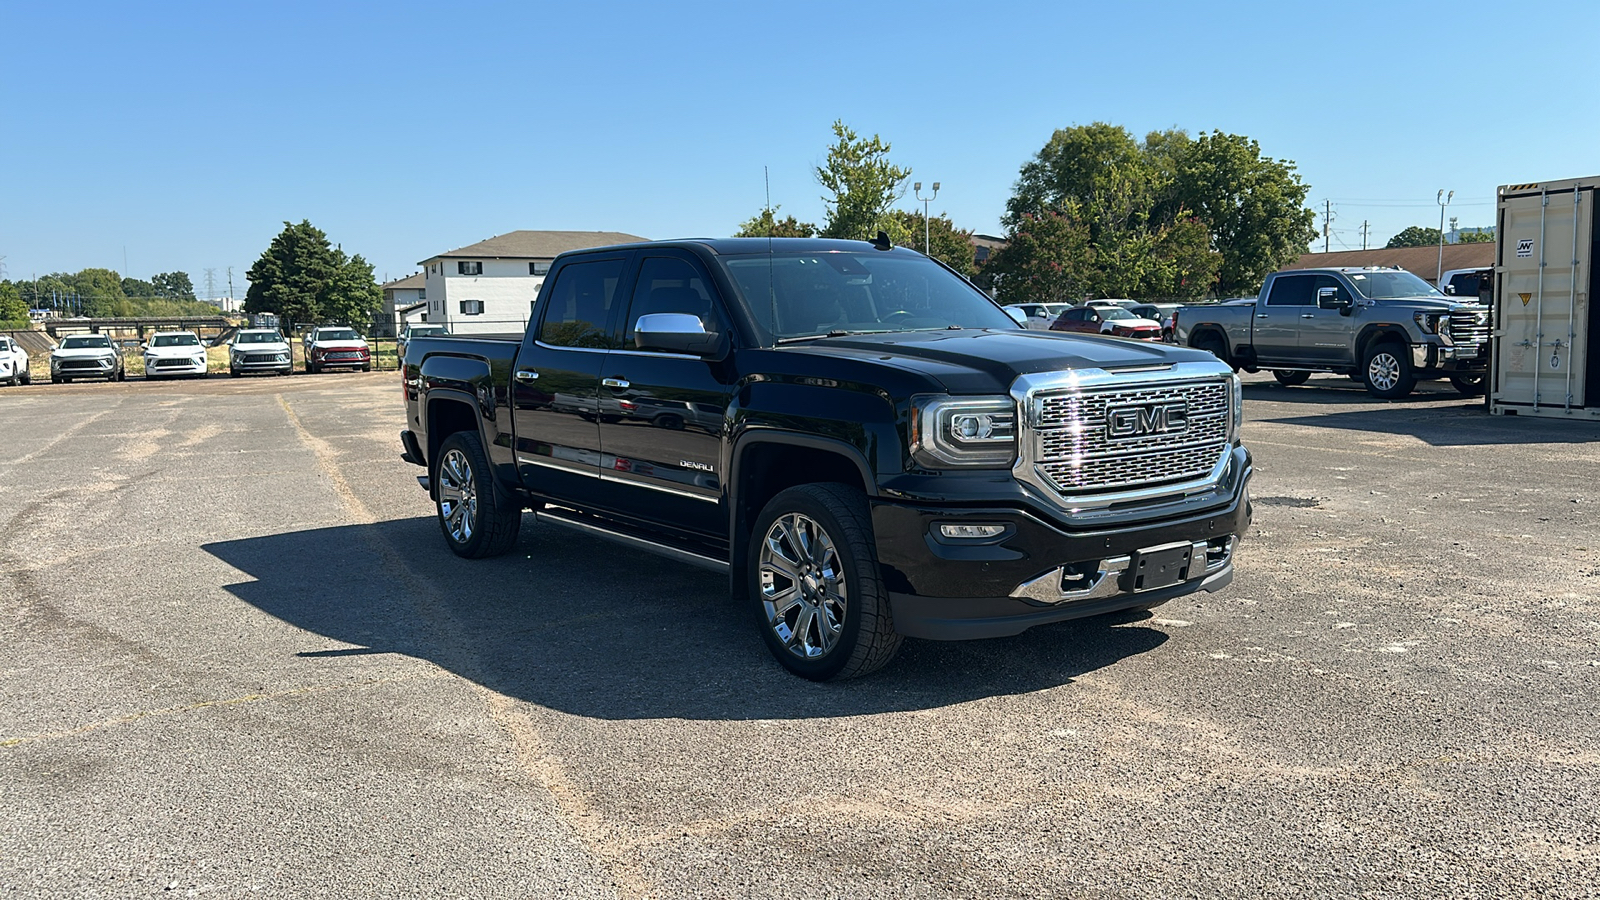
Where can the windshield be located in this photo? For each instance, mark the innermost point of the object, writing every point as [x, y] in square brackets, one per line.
[175, 340]
[1114, 312]
[427, 331]
[85, 341]
[800, 295]
[1392, 286]
[337, 334]
[259, 337]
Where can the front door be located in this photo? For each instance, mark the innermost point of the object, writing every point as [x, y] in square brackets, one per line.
[661, 455]
[1325, 334]
[555, 387]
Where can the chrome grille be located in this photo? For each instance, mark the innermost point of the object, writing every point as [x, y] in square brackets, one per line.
[1469, 329]
[172, 363]
[344, 354]
[254, 358]
[1077, 454]
[81, 364]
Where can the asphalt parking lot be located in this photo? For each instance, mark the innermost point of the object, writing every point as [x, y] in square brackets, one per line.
[239, 660]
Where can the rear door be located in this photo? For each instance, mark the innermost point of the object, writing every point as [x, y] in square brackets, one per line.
[1276, 334]
[555, 382]
[661, 457]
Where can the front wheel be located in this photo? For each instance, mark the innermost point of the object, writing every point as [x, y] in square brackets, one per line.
[477, 523]
[1289, 378]
[1468, 385]
[813, 582]
[1387, 371]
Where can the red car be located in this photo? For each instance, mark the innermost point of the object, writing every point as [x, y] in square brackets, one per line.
[1110, 320]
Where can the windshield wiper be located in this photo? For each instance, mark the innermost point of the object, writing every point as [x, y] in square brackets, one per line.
[837, 332]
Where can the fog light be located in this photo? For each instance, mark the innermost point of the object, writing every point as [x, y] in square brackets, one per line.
[971, 532]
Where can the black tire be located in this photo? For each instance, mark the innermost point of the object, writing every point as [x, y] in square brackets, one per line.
[1468, 385]
[232, 372]
[477, 523]
[1290, 378]
[122, 375]
[366, 368]
[1213, 345]
[838, 523]
[1386, 370]
[27, 378]
[311, 368]
[54, 379]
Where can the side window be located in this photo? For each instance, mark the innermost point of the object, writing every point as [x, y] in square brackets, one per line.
[1328, 281]
[1292, 290]
[578, 309]
[671, 285]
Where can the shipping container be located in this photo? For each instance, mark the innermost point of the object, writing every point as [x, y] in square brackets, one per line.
[1545, 333]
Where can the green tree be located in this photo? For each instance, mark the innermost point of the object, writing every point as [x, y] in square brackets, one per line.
[950, 245]
[1415, 236]
[1099, 171]
[134, 287]
[862, 186]
[351, 295]
[174, 286]
[291, 275]
[1253, 206]
[1048, 259]
[100, 290]
[1475, 237]
[767, 224]
[13, 310]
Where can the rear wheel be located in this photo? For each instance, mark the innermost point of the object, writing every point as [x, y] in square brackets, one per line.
[1387, 371]
[1213, 345]
[813, 582]
[1468, 385]
[27, 377]
[477, 523]
[1289, 378]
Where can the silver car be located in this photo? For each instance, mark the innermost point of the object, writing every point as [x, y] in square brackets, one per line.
[86, 356]
[259, 350]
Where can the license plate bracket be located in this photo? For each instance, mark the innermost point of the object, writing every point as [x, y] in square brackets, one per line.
[1159, 567]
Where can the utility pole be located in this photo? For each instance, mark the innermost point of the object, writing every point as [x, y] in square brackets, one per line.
[1327, 222]
[230, 282]
[1366, 229]
[1444, 202]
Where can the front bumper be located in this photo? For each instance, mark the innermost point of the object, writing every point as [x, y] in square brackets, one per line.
[1038, 571]
[325, 362]
[100, 369]
[1450, 358]
[241, 364]
[160, 368]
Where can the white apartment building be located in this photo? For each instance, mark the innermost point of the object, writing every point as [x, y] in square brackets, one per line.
[401, 305]
[490, 286]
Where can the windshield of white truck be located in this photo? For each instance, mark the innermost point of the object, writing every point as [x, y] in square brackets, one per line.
[260, 337]
[175, 340]
[86, 342]
[1393, 286]
[803, 295]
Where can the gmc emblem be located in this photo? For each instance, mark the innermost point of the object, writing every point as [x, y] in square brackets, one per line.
[1139, 421]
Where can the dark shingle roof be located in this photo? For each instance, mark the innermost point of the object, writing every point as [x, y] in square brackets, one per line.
[414, 281]
[536, 244]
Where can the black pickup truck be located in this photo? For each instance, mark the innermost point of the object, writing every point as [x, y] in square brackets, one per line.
[865, 443]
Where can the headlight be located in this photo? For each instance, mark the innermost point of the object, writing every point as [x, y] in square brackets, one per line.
[1428, 322]
[1235, 407]
[963, 431]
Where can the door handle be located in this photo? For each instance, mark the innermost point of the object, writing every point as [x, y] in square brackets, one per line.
[1262, 316]
[1307, 316]
[526, 375]
[614, 382]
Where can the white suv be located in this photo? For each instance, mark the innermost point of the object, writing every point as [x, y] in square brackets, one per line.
[13, 362]
[174, 353]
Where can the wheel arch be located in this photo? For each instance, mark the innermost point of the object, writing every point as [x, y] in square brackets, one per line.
[766, 462]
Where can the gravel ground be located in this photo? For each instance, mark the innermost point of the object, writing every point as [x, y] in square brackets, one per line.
[240, 661]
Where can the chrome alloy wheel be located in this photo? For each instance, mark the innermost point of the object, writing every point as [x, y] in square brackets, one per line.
[803, 590]
[1383, 370]
[458, 500]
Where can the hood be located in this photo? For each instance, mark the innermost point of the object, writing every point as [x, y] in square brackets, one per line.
[179, 352]
[1136, 322]
[356, 344]
[987, 362]
[274, 347]
[83, 352]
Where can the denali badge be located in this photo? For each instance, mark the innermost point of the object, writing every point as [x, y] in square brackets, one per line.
[1138, 421]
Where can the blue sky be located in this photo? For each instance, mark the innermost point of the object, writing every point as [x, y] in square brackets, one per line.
[182, 136]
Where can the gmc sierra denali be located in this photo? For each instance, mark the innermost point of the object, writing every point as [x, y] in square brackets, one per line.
[1383, 327]
[865, 443]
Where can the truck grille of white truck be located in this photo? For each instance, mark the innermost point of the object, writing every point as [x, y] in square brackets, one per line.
[1114, 439]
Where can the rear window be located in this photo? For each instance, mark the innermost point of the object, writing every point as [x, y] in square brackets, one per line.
[1291, 290]
[578, 309]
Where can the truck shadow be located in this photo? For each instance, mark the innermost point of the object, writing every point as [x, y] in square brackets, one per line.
[1455, 425]
[577, 624]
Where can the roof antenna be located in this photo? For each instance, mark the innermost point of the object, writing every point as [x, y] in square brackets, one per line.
[881, 242]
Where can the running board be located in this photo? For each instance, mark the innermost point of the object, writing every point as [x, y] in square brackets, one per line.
[579, 522]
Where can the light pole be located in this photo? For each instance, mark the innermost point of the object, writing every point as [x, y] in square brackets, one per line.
[1444, 202]
[927, 232]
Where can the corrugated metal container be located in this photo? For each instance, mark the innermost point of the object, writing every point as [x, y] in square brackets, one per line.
[1545, 332]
